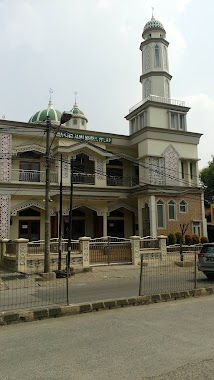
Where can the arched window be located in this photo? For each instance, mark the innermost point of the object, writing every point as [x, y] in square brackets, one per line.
[160, 214]
[74, 121]
[157, 56]
[172, 210]
[183, 206]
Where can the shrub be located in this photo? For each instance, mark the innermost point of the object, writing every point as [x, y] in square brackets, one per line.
[178, 237]
[171, 239]
[188, 239]
[195, 239]
[203, 239]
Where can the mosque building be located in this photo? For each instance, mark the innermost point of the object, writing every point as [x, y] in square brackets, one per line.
[145, 183]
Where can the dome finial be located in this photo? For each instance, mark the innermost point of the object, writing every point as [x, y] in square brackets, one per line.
[152, 13]
[75, 94]
[50, 101]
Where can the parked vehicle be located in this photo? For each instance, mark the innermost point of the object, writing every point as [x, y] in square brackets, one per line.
[206, 260]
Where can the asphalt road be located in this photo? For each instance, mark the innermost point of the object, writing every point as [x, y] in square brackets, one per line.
[166, 341]
[87, 291]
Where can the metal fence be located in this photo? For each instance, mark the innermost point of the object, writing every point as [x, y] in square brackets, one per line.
[168, 274]
[38, 247]
[22, 291]
[157, 274]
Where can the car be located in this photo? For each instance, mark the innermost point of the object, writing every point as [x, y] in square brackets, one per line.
[206, 260]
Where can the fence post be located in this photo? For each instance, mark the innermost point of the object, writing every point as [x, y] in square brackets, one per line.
[84, 248]
[2, 248]
[135, 246]
[21, 255]
[162, 244]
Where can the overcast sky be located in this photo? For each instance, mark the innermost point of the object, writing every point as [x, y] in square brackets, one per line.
[92, 46]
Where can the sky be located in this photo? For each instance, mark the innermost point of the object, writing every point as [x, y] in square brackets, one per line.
[92, 47]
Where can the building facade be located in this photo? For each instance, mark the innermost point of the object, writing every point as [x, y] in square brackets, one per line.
[145, 183]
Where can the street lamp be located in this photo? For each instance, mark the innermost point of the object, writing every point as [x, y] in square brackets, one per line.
[66, 116]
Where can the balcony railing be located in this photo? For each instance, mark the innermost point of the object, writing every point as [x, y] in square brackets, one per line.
[18, 175]
[84, 178]
[122, 181]
[160, 99]
[32, 176]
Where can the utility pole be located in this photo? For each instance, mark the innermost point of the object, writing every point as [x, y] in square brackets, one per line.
[66, 116]
[47, 198]
[60, 219]
[70, 217]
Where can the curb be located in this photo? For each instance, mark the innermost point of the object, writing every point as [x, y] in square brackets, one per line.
[54, 311]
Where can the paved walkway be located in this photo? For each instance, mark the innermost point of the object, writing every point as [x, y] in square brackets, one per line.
[11, 280]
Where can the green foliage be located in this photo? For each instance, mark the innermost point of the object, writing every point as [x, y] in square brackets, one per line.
[188, 239]
[178, 237]
[203, 239]
[195, 239]
[171, 239]
[207, 178]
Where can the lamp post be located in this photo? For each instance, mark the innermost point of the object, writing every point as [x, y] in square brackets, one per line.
[66, 116]
[70, 216]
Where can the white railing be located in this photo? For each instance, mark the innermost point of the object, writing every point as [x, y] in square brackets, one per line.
[38, 247]
[32, 176]
[160, 99]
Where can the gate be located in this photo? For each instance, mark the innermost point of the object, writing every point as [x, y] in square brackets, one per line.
[110, 250]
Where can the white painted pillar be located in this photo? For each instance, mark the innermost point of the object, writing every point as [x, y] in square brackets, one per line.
[140, 218]
[204, 220]
[135, 247]
[85, 251]
[105, 233]
[153, 217]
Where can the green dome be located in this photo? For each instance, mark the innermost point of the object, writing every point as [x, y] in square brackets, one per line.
[41, 116]
[76, 112]
[153, 24]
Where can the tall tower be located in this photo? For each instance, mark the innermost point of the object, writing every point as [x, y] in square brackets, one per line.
[155, 76]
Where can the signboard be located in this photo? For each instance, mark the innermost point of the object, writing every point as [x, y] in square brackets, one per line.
[212, 213]
[83, 137]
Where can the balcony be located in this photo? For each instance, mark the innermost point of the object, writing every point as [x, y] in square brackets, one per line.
[35, 176]
[18, 175]
[159, 99]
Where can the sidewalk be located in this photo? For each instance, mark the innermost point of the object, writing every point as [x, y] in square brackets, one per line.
[11, 280]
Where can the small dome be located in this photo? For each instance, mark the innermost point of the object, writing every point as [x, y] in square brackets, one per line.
[41, 116]
[76, 112]
[153, 24]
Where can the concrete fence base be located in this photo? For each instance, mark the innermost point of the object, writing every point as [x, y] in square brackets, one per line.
[55, 311]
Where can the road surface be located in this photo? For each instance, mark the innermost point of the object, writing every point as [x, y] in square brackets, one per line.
[166, 341]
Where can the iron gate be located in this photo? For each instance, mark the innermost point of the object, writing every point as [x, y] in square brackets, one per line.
[110, 250]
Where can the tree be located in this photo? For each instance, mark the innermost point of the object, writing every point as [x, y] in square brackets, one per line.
[207, 179]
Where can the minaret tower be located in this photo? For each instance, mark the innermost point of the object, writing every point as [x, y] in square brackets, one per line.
[155, 76]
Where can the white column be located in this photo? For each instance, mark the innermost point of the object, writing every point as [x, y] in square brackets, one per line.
[188, 172]
[140, 218]
[204, 220]
[105, 214]
[153, 217]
